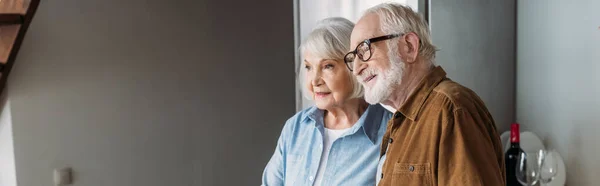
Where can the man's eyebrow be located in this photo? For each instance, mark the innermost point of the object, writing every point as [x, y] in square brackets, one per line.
[360, 41]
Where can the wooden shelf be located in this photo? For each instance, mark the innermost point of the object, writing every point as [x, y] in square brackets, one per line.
[15, 17]
[8, 35]
[14, 6]
[11, 19]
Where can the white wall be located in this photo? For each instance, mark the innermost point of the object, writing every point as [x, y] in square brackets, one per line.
[558, 81]
[152, 93]
[477, 49]
[7, 156]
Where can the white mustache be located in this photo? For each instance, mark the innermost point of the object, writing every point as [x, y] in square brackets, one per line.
[366, 73]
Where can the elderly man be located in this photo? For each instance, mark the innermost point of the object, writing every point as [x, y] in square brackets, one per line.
[442, 133]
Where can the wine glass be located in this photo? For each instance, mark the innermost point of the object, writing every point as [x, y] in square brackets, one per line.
[549, 167]
[528, 167]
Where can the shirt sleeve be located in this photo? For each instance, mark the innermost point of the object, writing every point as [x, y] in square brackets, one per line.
[274, 173]
[467, 154]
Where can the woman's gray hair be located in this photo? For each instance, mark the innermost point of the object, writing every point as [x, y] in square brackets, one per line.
[330, 39]
[396, 18]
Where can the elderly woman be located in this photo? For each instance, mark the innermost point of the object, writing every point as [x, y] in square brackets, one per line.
[336, 142]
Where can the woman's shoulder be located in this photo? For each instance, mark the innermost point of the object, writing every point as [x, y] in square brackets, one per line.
[303, 114]
[300, 118]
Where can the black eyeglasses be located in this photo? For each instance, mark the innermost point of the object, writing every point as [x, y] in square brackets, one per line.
[363, 50]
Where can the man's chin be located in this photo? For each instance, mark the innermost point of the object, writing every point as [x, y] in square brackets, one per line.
[372, 99]
[371, 102]
[376, 95]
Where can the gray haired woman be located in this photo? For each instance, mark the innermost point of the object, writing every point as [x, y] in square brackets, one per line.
[337, 141]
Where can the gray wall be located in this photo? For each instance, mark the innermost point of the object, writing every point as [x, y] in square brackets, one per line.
[152, 93]
[477, 49]
[559, 81]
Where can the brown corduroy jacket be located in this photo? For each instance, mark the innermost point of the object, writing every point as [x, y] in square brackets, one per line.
[442, 135]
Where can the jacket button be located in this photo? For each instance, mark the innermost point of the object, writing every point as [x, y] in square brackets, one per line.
[411, 168]
[397, 115]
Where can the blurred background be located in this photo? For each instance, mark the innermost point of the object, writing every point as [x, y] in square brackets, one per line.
[190, 93]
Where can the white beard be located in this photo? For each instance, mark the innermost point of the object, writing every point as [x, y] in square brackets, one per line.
[386, 81]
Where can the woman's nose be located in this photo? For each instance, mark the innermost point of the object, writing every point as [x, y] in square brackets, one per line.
[316, 79]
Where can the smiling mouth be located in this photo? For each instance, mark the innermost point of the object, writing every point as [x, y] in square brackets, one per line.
[322, 94]
[366, 80]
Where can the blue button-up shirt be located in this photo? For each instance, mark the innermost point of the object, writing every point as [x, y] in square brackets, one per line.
[353, 158]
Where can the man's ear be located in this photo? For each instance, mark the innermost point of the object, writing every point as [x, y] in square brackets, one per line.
[409, 47]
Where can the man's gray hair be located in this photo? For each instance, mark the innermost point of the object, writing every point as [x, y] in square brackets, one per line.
[396, 18]
[330, 39]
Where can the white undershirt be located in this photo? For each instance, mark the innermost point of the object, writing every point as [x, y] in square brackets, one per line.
[328, 138]
[379, 169]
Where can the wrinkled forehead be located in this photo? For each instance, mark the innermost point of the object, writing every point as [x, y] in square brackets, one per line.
[309, 57]
[367, 27]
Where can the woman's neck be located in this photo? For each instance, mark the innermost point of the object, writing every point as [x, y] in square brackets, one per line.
[344, 116]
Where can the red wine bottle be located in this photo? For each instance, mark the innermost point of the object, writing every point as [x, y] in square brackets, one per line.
[510, 158]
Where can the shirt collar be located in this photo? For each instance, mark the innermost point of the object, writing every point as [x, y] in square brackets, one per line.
[413, 105]
[314, 114]
[369, 121]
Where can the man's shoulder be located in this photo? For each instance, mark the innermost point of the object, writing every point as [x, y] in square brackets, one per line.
[451, 88]
[457, 95]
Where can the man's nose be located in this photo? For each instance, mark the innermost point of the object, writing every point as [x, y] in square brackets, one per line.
[359, 67]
